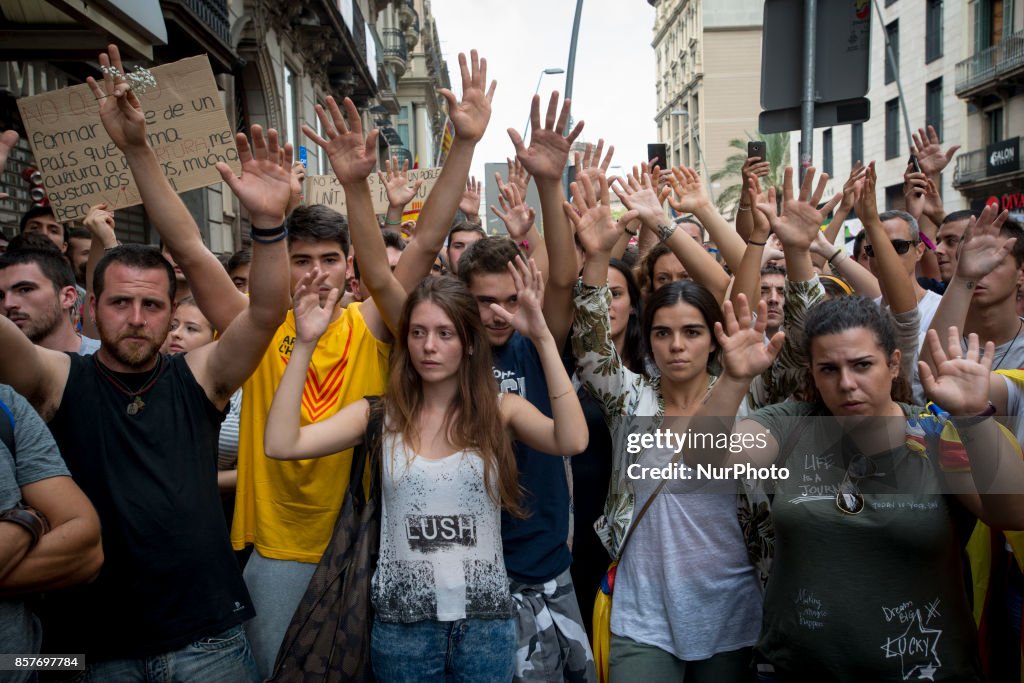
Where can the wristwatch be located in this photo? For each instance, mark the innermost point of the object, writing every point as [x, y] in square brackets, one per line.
[29, 518]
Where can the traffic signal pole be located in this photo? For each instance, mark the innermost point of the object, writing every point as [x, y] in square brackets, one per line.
[807, 103]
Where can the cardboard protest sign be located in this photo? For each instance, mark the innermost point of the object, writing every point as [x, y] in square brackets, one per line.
[326, 190]
[185, 123]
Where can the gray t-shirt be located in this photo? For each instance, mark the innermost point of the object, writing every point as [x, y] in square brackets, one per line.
[876, 596]
[37, 459]
[1008, 356]
[684, 583]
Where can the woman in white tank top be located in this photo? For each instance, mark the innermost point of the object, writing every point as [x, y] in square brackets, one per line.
[440, 590]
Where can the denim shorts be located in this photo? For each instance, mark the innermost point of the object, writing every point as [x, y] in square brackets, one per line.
[467, 650]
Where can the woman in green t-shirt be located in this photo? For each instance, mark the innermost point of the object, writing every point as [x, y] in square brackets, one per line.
[866, 582]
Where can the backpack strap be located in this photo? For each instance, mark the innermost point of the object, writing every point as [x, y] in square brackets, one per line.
[369, 450]
[7, 428]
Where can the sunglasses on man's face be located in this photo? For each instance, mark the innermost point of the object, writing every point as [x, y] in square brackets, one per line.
[849, 499]
[901, 247]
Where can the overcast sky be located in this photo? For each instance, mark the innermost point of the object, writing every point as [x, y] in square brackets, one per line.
[613, 89]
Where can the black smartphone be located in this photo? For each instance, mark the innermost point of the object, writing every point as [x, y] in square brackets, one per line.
[657, 154]
[755, 148]
[913, 162]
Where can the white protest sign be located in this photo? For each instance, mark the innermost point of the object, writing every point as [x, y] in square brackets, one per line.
[326, 190]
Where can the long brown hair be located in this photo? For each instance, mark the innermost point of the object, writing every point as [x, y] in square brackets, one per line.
[474, 420]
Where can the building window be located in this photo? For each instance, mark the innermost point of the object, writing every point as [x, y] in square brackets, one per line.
[892, 129]
[889, 2]
[988, 23]
[894, 198]
[995, 125]
[933, 106]
[856, 143]
[892, 32]
[933, 31]
[403, 126]
[826, 151]
[321, 154]
[291, 107]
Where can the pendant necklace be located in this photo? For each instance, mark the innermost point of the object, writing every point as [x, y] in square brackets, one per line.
[136, 403]
[996, 365]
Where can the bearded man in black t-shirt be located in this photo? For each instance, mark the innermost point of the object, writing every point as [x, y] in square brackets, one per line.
[138, 430]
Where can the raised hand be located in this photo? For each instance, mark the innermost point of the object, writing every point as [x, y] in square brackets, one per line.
[591, 216]
[930, 156]
[591, 165]
[396, 182]
[744, 353]
[800, 220]
[529, 316]
[821, 246]
[960, 386]
[756, 167]
[548, 152]
[933, 207]
[851, 185]
[864, 196]
[661, 178]
[517, 175]
[8, 139]
[517, 215]
[298, 178]
[470, 202]
[352, 157]
[753, 168]
[120, 110]
[99, 221]
[761, 225]
[640, 196]
[982, 248]
[915, 185]
[265, 187]
[312, 317]
[773, 247]
[685, 192]
[470, 116]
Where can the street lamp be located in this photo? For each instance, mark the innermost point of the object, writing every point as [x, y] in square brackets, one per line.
[700, 154]
[545, 72]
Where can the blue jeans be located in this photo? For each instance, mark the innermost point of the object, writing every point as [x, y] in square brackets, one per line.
[463, 651]
[225, 658]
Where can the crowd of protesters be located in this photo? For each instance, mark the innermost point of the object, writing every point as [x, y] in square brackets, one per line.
[183, 439]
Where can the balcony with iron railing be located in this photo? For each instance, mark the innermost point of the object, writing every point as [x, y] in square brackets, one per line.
[209, 14]
[387, 80]
[970, 166]
[359, 33]
[396, 50]
[991, 67]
